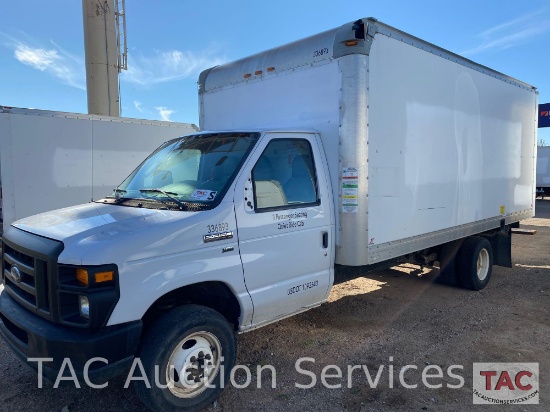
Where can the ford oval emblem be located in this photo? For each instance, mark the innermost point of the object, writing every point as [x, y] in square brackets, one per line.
[15, 274]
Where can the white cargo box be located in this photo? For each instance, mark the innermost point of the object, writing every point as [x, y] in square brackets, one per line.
[51, 160]
[424, 146]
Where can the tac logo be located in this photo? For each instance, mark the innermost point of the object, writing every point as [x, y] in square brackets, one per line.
[506, 383]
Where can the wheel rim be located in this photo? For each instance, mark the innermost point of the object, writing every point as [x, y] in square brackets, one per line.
[193, 364]
[482, 264]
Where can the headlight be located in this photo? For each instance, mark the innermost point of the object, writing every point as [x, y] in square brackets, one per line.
[83, 287]
[84, 306]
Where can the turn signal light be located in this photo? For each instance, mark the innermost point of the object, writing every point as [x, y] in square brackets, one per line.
[104, 276]
[82, 276]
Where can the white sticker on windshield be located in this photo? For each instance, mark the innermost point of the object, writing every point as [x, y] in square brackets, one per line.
[200, 194]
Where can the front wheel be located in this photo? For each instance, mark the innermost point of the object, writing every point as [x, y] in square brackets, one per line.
[187, 356]
[475, 263]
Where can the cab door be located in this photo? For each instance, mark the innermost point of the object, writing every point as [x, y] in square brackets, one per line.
[283, 207]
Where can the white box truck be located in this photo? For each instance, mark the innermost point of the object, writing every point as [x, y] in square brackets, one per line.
[359, 147]
[66, 159]
[543, 171]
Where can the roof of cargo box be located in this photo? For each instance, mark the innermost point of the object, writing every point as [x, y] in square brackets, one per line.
[351, 38]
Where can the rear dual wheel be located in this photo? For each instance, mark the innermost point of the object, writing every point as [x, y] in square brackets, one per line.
[475, 263]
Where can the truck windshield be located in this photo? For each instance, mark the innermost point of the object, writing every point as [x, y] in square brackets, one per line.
[190, 170]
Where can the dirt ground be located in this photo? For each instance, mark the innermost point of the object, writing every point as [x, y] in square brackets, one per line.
[394, 318]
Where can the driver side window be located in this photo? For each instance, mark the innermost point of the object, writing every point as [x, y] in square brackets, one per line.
[284, 176]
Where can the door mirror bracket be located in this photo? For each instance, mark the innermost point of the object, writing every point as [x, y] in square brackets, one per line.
[249, 195]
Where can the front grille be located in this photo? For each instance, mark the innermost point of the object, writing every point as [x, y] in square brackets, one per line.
[26, 279]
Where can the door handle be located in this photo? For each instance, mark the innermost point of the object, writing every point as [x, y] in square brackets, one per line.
[324, 236]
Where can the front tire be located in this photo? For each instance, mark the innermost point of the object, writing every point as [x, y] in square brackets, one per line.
[475, 263]
[192, 348]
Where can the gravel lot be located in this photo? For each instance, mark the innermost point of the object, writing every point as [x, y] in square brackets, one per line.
[395, 317]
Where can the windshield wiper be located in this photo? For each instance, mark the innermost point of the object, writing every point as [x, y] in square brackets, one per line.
[169, 195]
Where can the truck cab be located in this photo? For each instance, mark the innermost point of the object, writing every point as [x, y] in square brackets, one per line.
[239, 223]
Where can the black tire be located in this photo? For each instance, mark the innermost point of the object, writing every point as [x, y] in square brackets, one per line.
[475, 263]
[182, 332]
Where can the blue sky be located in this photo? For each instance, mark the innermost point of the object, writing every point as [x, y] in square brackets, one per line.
[171, 41]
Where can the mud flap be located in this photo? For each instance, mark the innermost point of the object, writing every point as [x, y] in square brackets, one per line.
[502, 248]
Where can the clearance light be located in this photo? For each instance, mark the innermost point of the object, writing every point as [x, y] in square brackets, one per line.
[270, 69]
[247, 76]
[258, 72]
[104, 276]
[82, 276]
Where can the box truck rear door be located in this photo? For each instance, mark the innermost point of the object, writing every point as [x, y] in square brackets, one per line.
[284, 225]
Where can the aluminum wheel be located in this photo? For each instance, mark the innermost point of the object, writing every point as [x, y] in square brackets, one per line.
[482, 264]
[193, 364]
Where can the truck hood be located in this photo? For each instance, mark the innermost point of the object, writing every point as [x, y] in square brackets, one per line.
[96, 234]
[84, 220]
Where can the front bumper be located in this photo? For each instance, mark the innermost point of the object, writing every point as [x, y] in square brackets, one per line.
[31, 336]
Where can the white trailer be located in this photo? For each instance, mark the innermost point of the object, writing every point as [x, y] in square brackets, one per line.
[51, 160]
[543, 171]
[359, 147]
